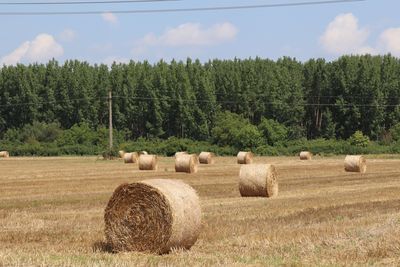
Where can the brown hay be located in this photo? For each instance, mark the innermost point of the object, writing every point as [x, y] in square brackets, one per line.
[206, 158]
[4, 154]
[355, 164]
[244, 157]
[131, 157]
[186, 163]
[153, 216]
[258, 180]
[121, 154]
[305, 155]
[148, 162]
[177, 154]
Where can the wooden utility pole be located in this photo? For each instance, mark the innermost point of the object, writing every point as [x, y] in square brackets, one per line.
[110, 121]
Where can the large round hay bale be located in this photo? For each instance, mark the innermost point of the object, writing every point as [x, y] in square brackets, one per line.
[131, 157]
[143, 153]
[355, 164]
[148, 163]
[206, 158]
[121, 154]
[152, 216]
[244, 157]
[258, 180]
[305, 155]
[4, 154]
[186, 163]
[177, 154]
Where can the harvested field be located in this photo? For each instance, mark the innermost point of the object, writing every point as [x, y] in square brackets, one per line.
[51, 213]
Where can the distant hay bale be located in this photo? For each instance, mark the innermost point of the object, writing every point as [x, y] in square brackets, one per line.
[305, 155]
[148, 163]
[143, 153]
[4, 154]
[131, 157]
[258, 180]
[177, 154]
[244, 157]
[153, 216]
[186, 163]
[121, 154]
[206, 158]
[355, 164]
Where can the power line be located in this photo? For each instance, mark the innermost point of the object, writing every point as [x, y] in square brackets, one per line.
[175, 10]
[84, 2]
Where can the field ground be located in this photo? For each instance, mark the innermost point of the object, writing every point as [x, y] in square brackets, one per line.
[51, 214]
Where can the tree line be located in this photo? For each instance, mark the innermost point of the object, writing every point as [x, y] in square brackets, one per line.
[313, 99]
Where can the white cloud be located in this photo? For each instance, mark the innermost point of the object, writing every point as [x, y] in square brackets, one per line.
[344, 36]
[389, 41]
[115, 59]
[67, 35]
[189, 35]
[110, 17]
[41, 49]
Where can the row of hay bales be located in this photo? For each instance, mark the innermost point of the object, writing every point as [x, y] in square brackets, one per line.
[160, 215]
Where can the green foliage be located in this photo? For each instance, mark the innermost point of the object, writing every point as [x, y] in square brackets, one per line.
[233, 130]
[358, 139]
[395, 132]
[272, 131]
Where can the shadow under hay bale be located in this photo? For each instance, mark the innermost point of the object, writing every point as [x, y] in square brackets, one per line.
[206, 158]
[153, 216]
[305, 155]
[258, 180]
[244, 157]
[131, 157]
[186, 163]
[148, 163]
[355, 164]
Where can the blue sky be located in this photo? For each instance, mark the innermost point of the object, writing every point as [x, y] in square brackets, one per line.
[304, 32]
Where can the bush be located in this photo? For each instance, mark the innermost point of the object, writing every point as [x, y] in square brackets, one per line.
[358, 139]
[272, 131]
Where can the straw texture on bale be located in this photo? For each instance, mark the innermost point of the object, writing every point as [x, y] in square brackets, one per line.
[148, 162]
[131, 157]
[4, 154]
[206, 158]
[121, 154]
[258, 180]
[177, 154]
[355, 164]
[152, 216]
[143, 153]
[186, 163]
[305, 155]
[244, 157]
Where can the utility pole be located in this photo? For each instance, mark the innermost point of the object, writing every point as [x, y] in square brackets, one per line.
[110, 121]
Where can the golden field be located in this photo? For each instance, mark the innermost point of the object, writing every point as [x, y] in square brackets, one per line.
[51, 214]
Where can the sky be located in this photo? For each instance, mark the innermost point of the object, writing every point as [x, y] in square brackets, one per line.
[303, 32]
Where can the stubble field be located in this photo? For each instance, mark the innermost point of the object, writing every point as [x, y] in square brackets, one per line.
[51, 214]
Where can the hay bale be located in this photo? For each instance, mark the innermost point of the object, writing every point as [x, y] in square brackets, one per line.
[143, 153]
[258, 180]
[152, 216]
[305, 155]
[4, 154]
[177, 154]
[186, 163]
[131, 157]
[244, 157]
[206, 158]
[121, 154]
[148, 163]
[355, 164]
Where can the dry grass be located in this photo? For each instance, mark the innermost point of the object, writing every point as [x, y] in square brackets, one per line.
[51, 214]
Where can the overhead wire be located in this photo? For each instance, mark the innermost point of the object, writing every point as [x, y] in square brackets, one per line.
[174, 10]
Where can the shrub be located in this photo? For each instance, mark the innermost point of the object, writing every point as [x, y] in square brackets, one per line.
[358, 139]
